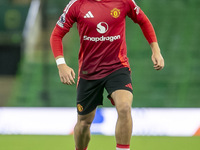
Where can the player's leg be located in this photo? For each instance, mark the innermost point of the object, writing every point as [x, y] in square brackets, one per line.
[119, 88]
[89, 96]
[82, 130]
[123, 131]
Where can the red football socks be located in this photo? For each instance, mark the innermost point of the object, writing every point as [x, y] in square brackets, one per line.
[83, 149]
[122, 147]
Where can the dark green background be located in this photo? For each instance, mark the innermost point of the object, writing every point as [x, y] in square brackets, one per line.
[177, 26]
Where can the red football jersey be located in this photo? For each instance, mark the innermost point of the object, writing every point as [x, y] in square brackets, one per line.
[101, 27]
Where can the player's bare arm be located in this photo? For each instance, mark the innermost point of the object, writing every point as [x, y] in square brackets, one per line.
[156, 57]
[66, 73]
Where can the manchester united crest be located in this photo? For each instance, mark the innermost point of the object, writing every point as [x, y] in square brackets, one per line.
[80, 108]
[115, 13]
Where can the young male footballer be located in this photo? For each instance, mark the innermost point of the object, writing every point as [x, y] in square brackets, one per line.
[103, 61]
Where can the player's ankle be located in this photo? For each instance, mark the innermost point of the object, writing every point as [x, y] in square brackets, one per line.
[122, 147]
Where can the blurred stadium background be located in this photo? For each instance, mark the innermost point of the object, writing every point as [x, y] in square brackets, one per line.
[29, 76]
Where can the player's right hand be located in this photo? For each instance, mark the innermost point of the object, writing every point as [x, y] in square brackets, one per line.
[67, 74]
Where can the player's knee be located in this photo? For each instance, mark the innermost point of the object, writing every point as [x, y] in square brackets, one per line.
[84, 125]
[124, 110]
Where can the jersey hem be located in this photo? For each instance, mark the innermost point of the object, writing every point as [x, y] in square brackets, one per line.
[97, 77]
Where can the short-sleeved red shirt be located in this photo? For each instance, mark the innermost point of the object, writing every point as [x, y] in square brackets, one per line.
[101, 27]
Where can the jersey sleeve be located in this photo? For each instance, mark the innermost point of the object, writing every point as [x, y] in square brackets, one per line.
[63, 25]
[139, 17]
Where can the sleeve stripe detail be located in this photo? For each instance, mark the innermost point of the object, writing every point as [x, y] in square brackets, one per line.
[134, 2]
[137, 8]
[62, 17]
[69, 5]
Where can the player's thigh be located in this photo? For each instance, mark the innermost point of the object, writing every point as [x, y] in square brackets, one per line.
[119, 87]
[89, 95]
[86, 119]
[122, 98]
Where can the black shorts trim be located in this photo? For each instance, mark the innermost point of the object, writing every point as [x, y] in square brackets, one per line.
[90, 92]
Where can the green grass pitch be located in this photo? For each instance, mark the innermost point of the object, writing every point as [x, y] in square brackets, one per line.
[98, 142]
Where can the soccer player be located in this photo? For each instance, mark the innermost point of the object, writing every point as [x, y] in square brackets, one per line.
[103, 61]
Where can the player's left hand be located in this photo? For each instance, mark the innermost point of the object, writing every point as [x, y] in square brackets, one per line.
[158, 60]
[156, 57]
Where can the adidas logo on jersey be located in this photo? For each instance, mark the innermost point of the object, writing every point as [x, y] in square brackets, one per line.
[89, 15]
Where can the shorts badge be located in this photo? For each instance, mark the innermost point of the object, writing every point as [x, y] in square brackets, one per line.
[80, 108]
[115, 12]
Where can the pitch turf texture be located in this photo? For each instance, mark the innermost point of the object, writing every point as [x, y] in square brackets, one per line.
[98, 142]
